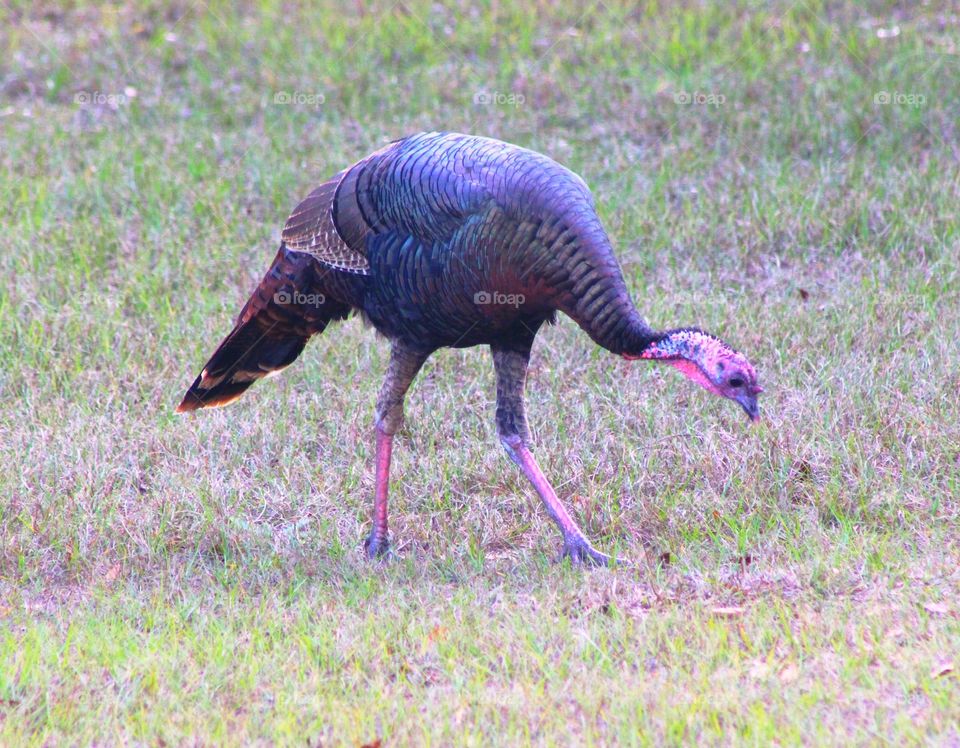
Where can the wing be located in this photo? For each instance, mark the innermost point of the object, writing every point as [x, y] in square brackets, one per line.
[423, 186]
[310, 229]
[428, 187]
[410, 186]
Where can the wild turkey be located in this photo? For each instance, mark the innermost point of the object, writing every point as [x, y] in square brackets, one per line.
[442, 239]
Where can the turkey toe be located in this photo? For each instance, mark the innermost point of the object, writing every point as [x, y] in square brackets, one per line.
[377, 547]
[581, 553]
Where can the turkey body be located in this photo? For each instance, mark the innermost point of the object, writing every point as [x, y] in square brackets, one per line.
[456, 240]
[442, 240]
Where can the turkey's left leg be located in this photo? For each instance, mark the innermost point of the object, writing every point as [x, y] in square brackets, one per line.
[511, 366]
[404, 364]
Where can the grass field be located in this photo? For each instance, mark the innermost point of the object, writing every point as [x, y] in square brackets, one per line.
[783, 174]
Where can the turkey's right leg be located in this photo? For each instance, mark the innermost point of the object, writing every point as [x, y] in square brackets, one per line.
[404, 364]
[511, 367]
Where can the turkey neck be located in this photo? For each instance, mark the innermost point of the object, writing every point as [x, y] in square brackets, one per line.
[617, 326]
[596, 298]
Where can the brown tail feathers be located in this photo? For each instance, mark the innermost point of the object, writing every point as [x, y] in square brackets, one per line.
[271, 331]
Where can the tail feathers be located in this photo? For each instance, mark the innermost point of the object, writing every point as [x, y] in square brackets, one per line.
[249, 353]
[271, 331]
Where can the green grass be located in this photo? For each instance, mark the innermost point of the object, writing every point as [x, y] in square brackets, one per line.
[199, 580]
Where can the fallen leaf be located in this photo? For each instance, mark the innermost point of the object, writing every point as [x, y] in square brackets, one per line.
[731, 611]
[943, 668]
[789, 673]
[802, 469]
[438, 632]
[940, 609]
[759, 669]
[896, 633]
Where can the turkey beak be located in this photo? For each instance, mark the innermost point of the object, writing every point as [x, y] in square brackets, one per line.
[749, 403]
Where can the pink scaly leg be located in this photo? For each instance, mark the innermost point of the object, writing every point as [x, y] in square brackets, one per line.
[576, 547]
[404, 365]
[377, 543]
[524, 458]
[511, 367]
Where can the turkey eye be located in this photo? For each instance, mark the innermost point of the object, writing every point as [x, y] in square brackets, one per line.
[736, 382]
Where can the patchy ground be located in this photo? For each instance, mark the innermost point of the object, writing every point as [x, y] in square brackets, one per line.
[783, 174]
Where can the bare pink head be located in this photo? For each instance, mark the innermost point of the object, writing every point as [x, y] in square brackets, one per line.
[709, 362]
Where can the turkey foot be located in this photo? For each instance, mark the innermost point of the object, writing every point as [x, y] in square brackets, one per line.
[377, 546]
[581, 553]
